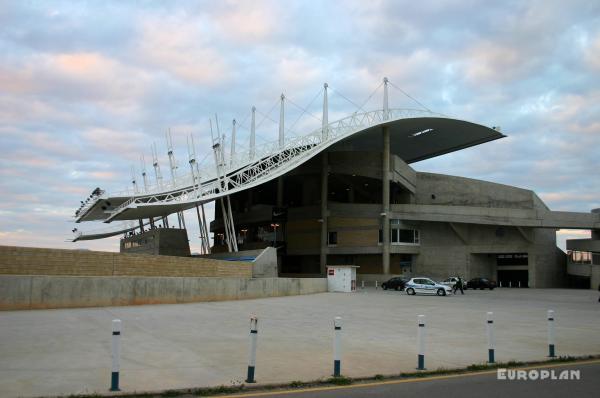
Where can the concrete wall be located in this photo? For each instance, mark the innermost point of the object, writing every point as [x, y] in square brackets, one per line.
[36, 261]
[264, 264]
[440, 189]
[547, 263]
[158, 241]
[20, 292]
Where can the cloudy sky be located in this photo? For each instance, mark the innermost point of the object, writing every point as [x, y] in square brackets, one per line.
[86, 87]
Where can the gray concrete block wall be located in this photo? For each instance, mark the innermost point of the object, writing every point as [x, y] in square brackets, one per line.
[452, 190]
[547, 263]
[481, 266]
[20, 292]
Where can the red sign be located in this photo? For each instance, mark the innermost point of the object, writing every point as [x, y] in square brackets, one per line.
[331, 271]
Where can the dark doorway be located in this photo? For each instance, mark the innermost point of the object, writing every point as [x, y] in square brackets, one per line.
[513, 278]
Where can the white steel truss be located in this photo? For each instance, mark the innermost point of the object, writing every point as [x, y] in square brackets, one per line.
[242, 171]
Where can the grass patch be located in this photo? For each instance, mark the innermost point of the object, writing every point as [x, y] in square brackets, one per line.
[339, 381]
[336, 381]
[296, 384]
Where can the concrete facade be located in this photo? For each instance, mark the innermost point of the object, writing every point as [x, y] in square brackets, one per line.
[584, 259]
[157, 241]
[414, 224]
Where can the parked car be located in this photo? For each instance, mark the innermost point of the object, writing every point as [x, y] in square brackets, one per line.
[480, 283]
[396, 283]
[451, 281]
[426, 286]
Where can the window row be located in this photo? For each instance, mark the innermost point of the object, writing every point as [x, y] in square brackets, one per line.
[580, 257]
[398, 236]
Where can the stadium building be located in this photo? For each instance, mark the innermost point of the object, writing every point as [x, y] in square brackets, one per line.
[347, 194]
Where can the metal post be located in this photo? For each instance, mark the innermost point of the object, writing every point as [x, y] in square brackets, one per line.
[325, 114]
[144, 174]
[386, 108]
[281, 123]
[490, 336]
[205, 228]
[232, 152]
[226, 225]
[116, 349]
[421, 343]
[337, 346]
[231, 226]
[551, 336]
[157, 173]
[133, 182]
[253, 134]
[252, 352]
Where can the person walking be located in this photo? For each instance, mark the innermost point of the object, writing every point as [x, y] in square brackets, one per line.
[458, 285]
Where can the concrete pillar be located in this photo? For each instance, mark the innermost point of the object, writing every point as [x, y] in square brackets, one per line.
[532, 267]
[595, 277]
[249, 199]
[386, 200]
[280, 192]
[324, 192]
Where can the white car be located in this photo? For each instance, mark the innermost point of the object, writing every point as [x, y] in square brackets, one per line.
[451, 281]
[426, 286]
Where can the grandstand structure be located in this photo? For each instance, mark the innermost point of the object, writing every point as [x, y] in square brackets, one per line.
[345, 193]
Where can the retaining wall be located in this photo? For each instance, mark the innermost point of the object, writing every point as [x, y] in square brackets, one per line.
[21, 292]
[16, 260]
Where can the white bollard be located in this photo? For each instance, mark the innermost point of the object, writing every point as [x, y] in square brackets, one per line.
[362, 284]
[421, 342]
[551, 336]
[252, 351]
[500, 283]
[337, 346]
[375, 285]
[509, 283]
[116, 350]
[490, 337]
[519, 283]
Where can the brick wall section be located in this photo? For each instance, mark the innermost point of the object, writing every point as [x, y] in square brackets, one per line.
[38, 261]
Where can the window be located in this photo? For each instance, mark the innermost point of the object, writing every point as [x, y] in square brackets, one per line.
[332, 238]
[581, 257]
[404, 236]
[394, 235]
[399, 236]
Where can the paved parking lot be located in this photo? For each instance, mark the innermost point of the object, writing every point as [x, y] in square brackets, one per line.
[191, 345]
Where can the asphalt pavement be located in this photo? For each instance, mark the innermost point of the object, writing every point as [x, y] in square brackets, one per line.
[480, 384]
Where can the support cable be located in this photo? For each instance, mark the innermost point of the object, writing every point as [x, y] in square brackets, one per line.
[409, 96]
[305, 110]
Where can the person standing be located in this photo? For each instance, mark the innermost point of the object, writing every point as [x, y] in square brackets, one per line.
[459, 285]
